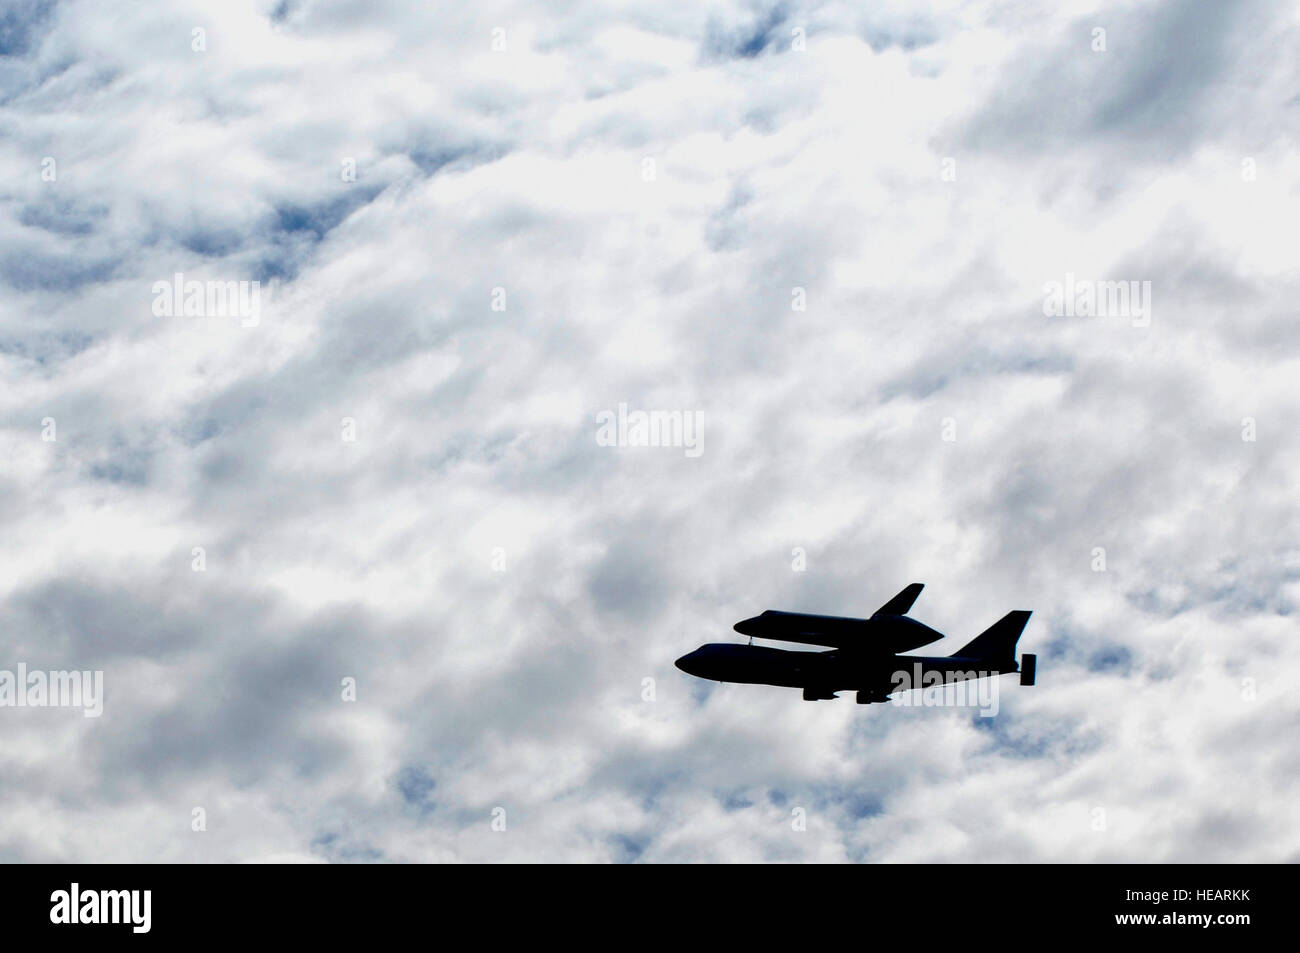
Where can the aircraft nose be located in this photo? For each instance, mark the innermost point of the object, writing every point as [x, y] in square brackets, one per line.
[687, 663]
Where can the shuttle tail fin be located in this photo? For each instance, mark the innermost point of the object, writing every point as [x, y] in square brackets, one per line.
[901, 604]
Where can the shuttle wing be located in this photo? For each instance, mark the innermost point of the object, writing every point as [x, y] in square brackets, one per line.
[888, 631]
[801, 627]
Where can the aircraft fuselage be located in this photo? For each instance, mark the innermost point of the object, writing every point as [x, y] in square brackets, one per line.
[835, 671]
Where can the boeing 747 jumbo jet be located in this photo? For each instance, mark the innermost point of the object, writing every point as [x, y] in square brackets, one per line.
[864, 657]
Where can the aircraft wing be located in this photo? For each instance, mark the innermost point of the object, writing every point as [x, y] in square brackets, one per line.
[902, 603]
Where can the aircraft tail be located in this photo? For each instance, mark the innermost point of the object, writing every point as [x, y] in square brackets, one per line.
[901, 604]
[998, 641]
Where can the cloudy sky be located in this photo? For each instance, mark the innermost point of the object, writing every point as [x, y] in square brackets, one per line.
[827, 231]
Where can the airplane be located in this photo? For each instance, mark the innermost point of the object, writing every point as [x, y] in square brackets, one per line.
[865, 657]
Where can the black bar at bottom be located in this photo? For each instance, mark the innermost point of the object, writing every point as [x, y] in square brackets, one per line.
[821, 904]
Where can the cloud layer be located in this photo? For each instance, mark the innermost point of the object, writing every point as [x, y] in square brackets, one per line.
[824, 228]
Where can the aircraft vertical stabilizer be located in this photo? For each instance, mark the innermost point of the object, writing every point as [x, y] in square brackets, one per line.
[999, 640]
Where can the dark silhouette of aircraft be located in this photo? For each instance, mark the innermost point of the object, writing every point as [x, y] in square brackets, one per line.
[865, 657]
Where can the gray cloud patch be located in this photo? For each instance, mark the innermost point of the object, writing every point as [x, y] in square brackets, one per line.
[22, 23]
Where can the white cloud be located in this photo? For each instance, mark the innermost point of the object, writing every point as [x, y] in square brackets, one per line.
[1163, 696]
